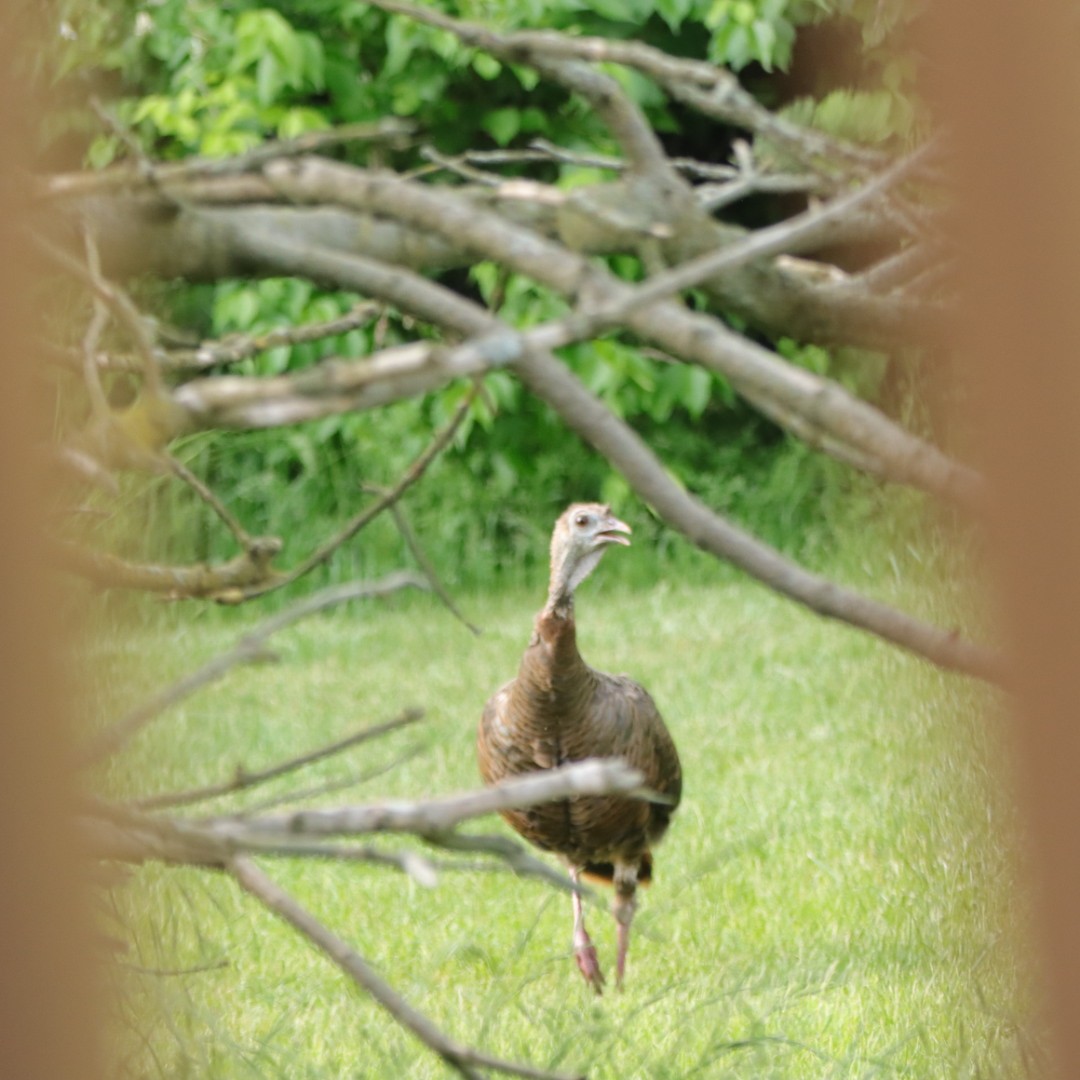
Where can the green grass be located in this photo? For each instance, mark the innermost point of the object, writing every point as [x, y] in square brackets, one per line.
[832, 899]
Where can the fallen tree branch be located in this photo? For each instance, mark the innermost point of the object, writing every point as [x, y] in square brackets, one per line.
[628, 453]
[250, 648]
[666, 323]
[713, 90]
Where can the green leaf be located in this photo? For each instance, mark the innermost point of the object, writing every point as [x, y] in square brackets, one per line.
[268, 78]
[764, 42]
[502, 125]
[487, 67]
[527, 76]
[674, 12]
[697, 391]
[737, 47]
[625, 11]
[743, 12]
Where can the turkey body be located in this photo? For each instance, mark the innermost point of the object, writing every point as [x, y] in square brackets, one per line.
[559, 710]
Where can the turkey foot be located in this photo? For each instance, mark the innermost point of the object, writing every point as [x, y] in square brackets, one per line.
[587, 961]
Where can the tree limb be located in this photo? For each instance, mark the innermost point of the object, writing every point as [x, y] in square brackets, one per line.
[594, 776]
[668, 324]
[628, 453]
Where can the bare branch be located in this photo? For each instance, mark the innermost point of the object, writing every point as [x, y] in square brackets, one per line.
[462, 1058]
[585, 414]
[238, 347]
[668, 324]
[223, 581]
[591, 777]
[426, 566]
[331, 787]
[242, 779]
[391, 130]
[250, 648]
[411, 475]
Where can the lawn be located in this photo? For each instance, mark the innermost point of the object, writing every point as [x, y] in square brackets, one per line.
[832, 899]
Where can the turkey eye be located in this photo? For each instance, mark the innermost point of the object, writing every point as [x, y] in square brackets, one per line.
[581, 521]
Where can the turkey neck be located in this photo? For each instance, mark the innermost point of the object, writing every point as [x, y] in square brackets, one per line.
[554, 677]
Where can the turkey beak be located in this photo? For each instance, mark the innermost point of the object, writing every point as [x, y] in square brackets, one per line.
[609, 534]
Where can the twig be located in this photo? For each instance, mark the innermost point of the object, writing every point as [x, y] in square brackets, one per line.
[232, 523]
[242, 780]
[411, 475]
[99, 405]
[459, 166]
[464, 1059]
[250, 648]
[329, 787]
[198, 969]
[425, 564]
[420, 868]
[391, 129]
[237, 347]
[518, 858]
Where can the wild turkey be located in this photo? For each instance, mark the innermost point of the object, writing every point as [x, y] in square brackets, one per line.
[559, 710]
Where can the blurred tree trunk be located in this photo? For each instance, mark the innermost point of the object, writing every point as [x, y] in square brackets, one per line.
[1011, 88]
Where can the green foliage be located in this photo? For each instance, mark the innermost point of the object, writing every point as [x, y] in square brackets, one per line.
[748, 30]
[868, 117]
[199, 77]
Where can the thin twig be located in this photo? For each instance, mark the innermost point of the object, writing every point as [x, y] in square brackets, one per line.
[250, 648]
[391, 129]
[198, 969]
[427, 567]
[243, 780]
[464, 1059]
[420, 868]
[411, 475]
[330, 787]
[516, 857]
[99, 405]
[238, 347]
[232, 523]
